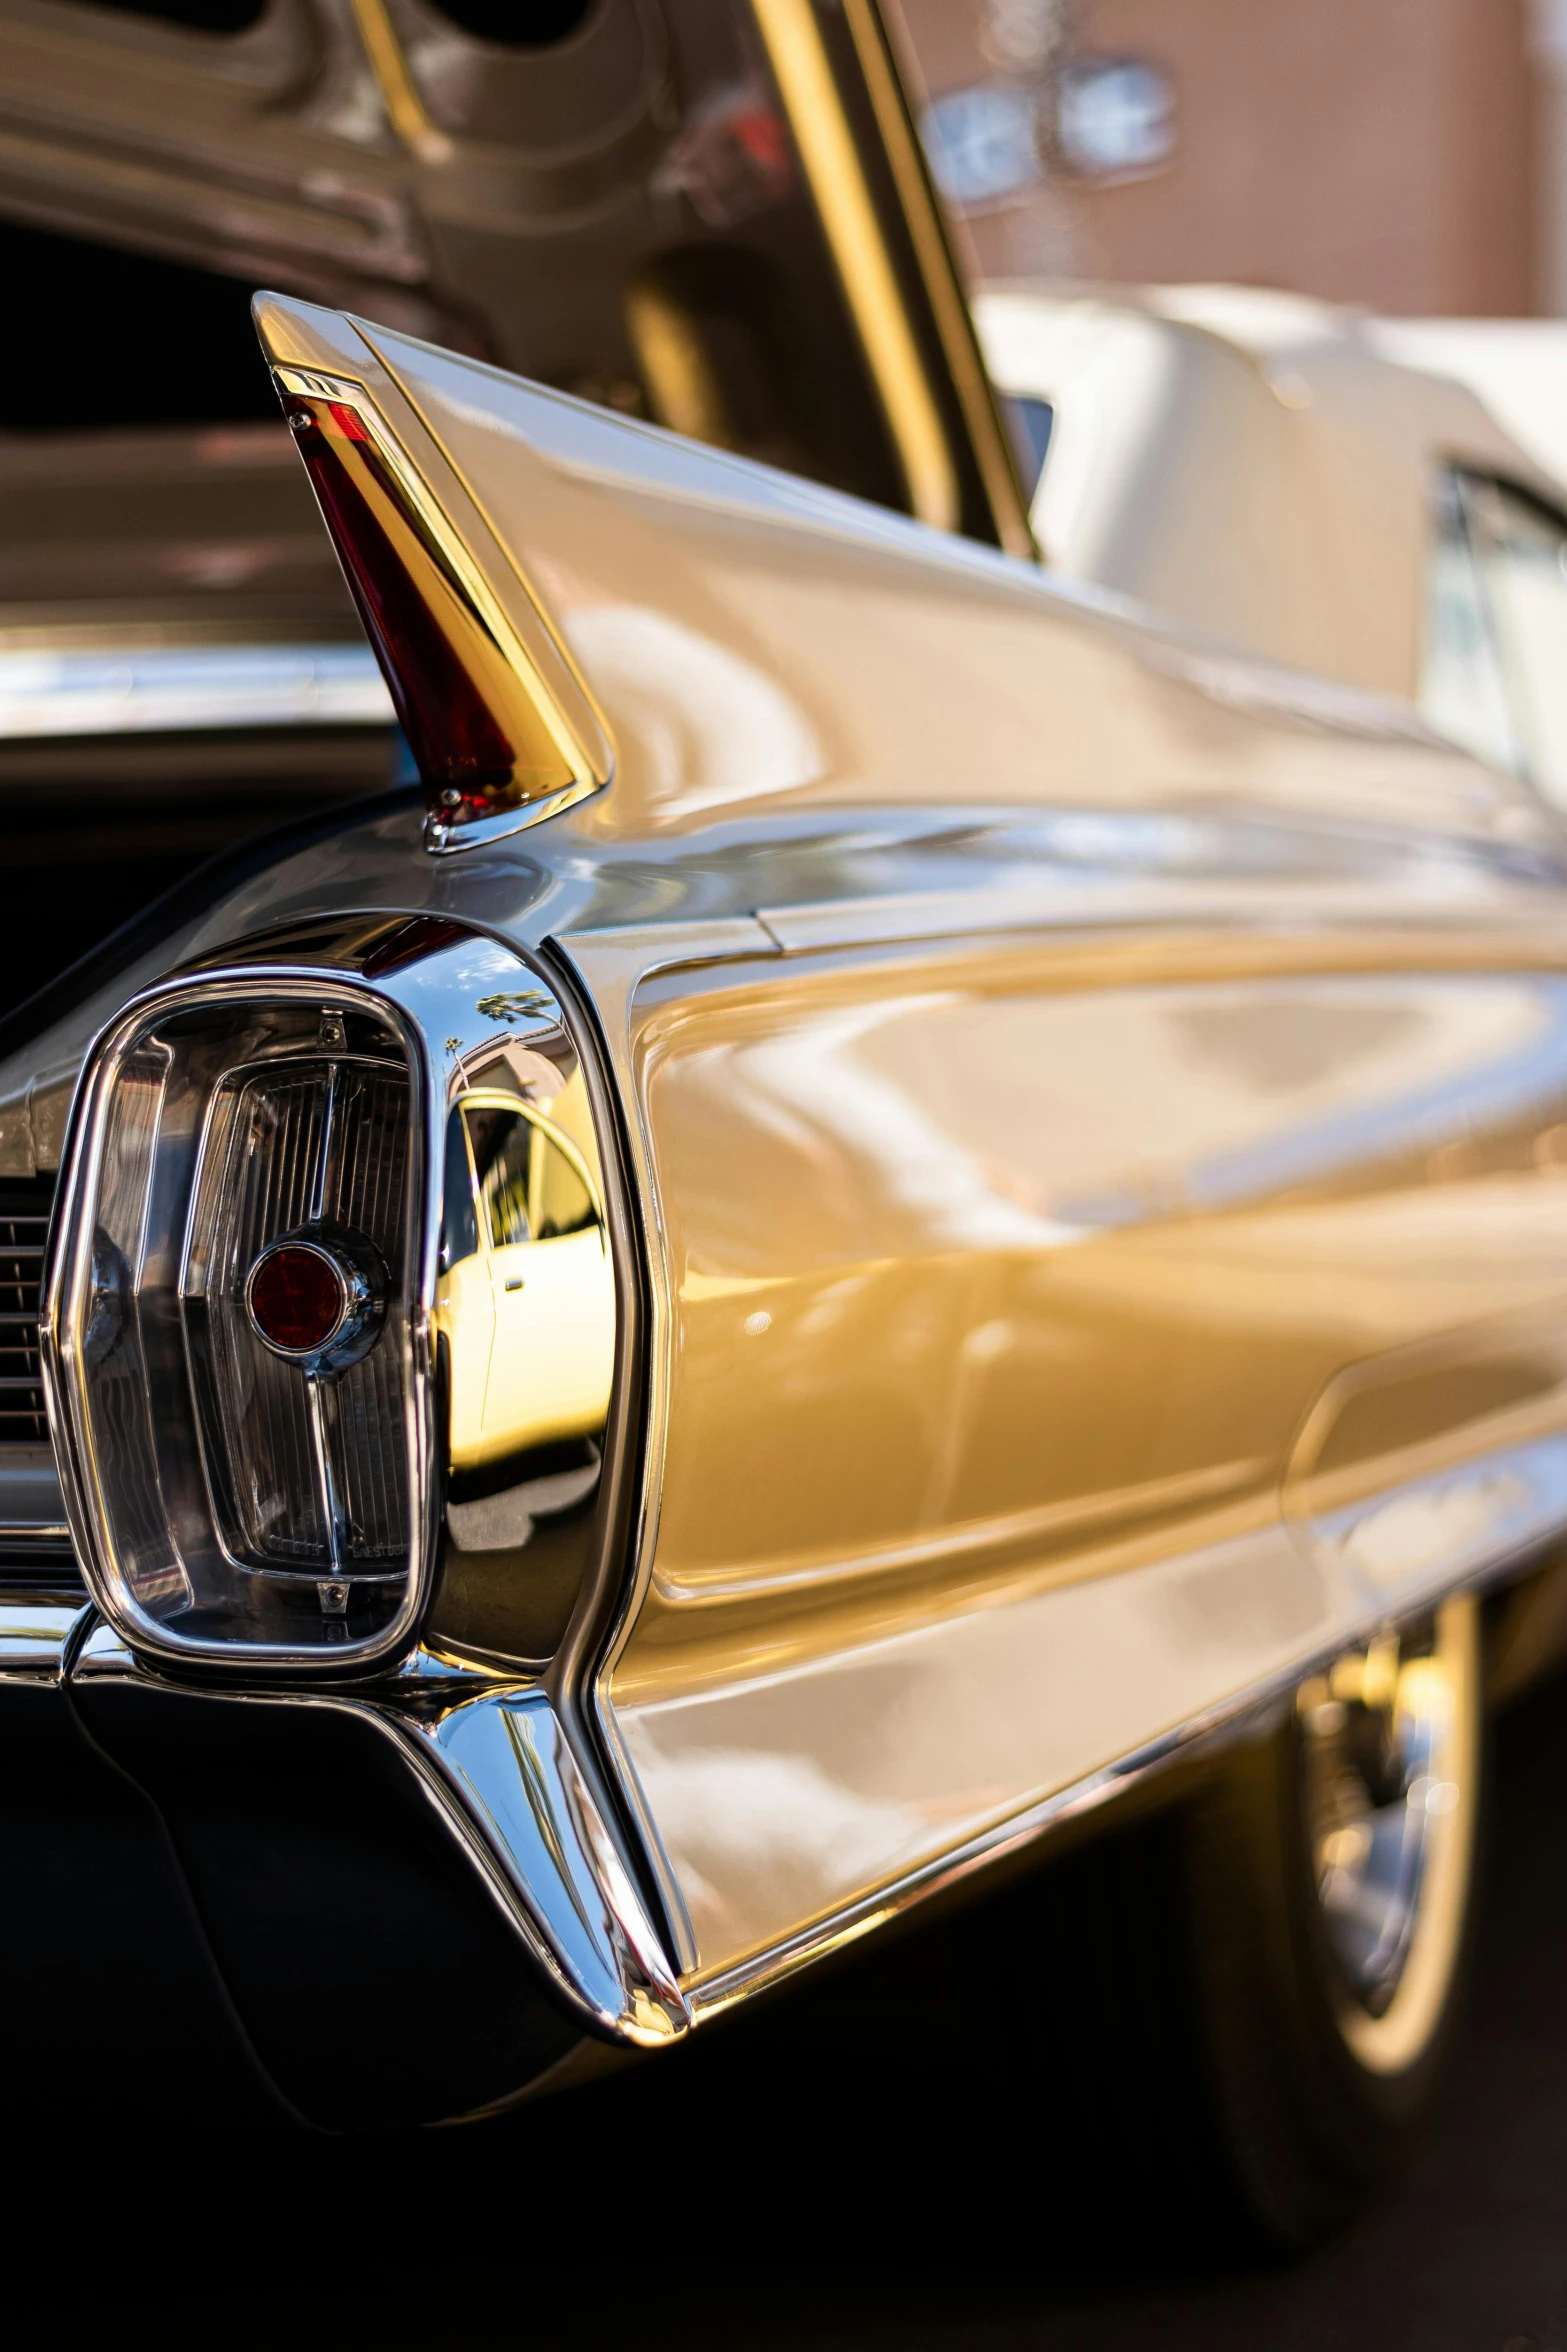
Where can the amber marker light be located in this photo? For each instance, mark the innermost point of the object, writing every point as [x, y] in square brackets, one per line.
[297, 1298]
[490, 746]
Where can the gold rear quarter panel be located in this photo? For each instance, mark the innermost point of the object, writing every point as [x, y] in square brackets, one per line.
[1002, 1282]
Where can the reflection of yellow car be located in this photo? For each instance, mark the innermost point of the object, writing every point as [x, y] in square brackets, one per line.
[526, 1298]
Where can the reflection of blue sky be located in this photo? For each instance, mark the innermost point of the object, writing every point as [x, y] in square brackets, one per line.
[444, 992]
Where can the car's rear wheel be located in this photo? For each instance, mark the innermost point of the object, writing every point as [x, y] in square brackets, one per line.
[1329, 1881]
[1240, 2007]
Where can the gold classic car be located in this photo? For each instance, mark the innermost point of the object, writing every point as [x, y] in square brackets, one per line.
[886, 1207]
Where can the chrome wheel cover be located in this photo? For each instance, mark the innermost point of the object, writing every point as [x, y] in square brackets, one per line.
[1390, 1747]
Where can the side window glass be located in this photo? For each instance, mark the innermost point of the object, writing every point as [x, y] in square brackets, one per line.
[1028, 420]
[502, 1147]
[560, 1201]
[1462, 688]
[459, 1222]
[1521, 550]
[529, 1190]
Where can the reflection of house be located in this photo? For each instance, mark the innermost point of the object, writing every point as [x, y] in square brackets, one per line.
[1406, 159]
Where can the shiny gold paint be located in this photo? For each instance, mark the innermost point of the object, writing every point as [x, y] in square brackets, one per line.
[987, 1292]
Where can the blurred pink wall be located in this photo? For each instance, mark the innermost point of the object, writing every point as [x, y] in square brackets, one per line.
[1373, 151]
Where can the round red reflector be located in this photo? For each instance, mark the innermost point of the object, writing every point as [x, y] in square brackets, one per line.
[297, 1297]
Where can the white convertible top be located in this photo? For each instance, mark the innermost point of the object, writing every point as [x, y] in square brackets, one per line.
[1262, 464]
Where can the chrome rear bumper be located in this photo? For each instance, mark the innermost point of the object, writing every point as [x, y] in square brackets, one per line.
[392, 1904]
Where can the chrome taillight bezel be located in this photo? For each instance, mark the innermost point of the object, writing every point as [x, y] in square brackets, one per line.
[438, 993]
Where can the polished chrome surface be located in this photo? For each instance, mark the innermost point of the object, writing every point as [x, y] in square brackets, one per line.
[143, 689]
[30, 1489]
[521, 1784]
[803, 70]
[24, 1230]
[309, 1152]
[207, 1481]
[35, 1635]
[355, 1315]
[494, 1758]
[526, 1304]
[37, 1558]
[891, 77]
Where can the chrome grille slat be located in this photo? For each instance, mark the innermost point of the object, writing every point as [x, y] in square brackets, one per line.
[275, 1138]
[24, 1233]
[262, 1185]
[367, 1191]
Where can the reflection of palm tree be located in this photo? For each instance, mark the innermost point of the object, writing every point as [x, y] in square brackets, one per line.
[522, 1004]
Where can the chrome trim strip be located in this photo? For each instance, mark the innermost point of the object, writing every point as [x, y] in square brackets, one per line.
[499, 1770]
[446, 840]
[833, 169]
[506, 1757]
[69, 1271]
[36, 1637]
[188, 689]
[34, 1531]
[1068, 899]
[610, 965]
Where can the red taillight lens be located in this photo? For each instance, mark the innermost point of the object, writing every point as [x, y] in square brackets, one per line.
[479, 748]
[297, 1298]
